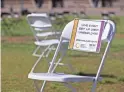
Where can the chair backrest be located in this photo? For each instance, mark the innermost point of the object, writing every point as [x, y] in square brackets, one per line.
[39, 20]
[40, 24]
[106, 35]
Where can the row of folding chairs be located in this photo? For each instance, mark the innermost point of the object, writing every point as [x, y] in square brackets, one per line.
[46, 37]
[42, 28]
[62, 43]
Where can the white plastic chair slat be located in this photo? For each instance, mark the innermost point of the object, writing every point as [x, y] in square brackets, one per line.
[48, 42]
[35, 20]
[47, 34]
[41, 27]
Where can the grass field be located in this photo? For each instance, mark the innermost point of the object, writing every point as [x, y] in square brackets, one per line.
[17, 60]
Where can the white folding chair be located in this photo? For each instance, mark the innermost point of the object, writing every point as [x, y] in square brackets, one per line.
[107, 36]
[42, 28]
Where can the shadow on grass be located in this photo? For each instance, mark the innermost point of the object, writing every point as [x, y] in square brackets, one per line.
[109, 79]
[85, 55]
[102, 75]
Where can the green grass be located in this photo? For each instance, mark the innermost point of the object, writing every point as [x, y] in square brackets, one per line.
[17, 60]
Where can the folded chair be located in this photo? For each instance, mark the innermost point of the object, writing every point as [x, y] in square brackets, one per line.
[106, 34]
[42, 29]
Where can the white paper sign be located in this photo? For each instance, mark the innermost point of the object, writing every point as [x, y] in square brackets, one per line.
[86, 35]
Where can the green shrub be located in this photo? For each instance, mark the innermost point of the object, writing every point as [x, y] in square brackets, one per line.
[121, 79]
[20, 26]
[15, 27]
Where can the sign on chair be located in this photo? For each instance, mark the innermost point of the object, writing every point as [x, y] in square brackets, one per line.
[86, 35]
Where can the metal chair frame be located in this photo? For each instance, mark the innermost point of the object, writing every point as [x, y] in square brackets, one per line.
[108, 34]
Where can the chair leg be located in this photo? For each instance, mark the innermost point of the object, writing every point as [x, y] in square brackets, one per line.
[47, 54]
[38, 55]
[43, 85]
[35, 51]
[39, 59]
[70, 87]
[36, 86]
[70, 67]
[58, 63]
[94, 86]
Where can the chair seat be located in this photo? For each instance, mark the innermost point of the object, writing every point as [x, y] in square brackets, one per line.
[61, 77]
[41, 26]
[46, 34]
[48, 42]
[41, 29]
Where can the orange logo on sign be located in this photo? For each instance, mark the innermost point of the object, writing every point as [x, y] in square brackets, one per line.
[77, 45]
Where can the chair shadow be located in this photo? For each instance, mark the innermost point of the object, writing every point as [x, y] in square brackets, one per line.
[102, 75]
[85, 55]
